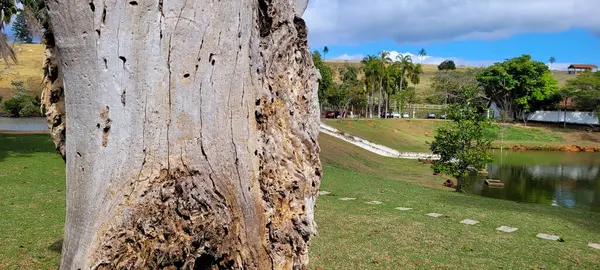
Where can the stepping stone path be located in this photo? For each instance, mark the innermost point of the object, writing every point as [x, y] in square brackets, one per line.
[324, 192]
[374, 202]
[469, 222]
[594, 245]
[347, 199]
[548, 236]
[434, 215]
[506, 229]
[403, 208]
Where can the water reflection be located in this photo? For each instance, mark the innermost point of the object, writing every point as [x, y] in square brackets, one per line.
[23, 124]
[553, 178]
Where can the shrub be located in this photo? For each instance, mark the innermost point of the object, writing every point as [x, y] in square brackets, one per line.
[13, 106]
[29, 110]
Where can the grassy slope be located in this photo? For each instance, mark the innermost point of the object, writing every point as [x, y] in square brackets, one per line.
[412, 135]
[30, 58]
[352, 235]
[424, 89]
[32, 202]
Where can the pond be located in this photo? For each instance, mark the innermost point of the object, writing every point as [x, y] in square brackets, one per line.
[561, 179]
[23, 124]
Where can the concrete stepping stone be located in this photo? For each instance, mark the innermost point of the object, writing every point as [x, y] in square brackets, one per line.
[507, 229]
[434, 215]
[403, 208]
[324, 192]
[548, 236]
[374, 202]
[469, 222]
[347, 199]
[594, 245]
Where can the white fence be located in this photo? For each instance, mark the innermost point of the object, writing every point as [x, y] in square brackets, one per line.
[585, 118]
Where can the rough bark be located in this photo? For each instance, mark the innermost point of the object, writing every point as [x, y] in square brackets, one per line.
[192, 134]
[53, 98]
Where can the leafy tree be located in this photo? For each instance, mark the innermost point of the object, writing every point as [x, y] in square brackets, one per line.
[463, 147]
[422, 54]
[326, 81]
[552, 61]
[447, 65]
[447, 85]
[7, 9]
[370, 65]
[384, 61]
[325, 51]
[585, 91]
[21, 29]
[519, 86]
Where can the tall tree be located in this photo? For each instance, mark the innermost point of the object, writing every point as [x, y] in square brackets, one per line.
[21, 28]
[422, 54]
[384, 60]
[326, 79]
[447, 85]
[519, 85]
[370, 66]
[325, 51]
[585, 91]
[552, 61]
[447, 65]
[463, 147]
[406, 63]
[7, 9]
[186, 162]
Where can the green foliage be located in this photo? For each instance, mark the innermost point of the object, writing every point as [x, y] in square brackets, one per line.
[21, 29]
[22, 103]
[463, 146]
[447, 65]
[519, 85]
[326, 81]
[448, 85]
[585, 90]
[29, 110]
[13, 105]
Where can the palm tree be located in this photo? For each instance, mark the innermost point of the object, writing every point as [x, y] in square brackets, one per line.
[325, 51]
[405, 62]
[422, 54]
[370, 66]
[7, 9]
[384, 60]
[552, 61]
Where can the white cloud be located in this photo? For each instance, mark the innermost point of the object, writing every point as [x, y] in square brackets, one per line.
[336, 22]
[346, 57]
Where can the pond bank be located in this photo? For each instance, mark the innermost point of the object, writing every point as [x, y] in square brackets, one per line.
[553, 148]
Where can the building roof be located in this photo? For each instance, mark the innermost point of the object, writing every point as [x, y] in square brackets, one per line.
[583, 66]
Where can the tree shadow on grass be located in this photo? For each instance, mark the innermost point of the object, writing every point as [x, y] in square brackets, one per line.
[56, 246]
[25, 144]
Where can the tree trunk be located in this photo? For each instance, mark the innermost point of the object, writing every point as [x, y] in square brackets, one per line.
[192, 134]
[53, 98]
[459, 182]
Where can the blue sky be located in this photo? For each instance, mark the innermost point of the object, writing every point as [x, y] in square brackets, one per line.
[471, 32]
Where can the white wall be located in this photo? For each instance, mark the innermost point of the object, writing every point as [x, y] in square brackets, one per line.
[589, 118]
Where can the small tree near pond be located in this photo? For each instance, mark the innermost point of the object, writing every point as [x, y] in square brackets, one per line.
[463, 146]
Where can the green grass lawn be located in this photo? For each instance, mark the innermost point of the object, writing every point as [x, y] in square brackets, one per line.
[413, 134]
[352, 234]
[32, 202]
[355, 235]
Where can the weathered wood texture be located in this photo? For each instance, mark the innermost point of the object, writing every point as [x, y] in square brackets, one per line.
[191, 134]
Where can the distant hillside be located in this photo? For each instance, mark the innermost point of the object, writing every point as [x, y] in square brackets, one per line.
[424, 88]
[29, 69]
